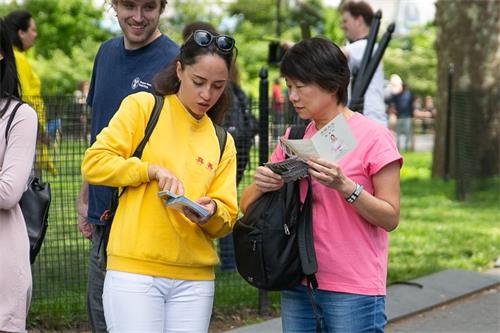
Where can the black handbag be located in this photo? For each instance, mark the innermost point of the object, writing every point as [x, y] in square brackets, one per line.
[34, 203]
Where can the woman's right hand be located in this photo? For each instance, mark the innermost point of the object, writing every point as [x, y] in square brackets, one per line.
[166, 180]
[266, 180]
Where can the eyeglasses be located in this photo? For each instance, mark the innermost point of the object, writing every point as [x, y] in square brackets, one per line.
[204, 38]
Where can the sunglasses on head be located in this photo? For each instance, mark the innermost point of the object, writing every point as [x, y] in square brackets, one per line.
[204, 38]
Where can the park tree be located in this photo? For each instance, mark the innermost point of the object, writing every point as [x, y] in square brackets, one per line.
[64, 25]
[468, 39]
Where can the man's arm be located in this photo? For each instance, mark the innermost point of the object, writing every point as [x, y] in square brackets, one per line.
[82, 204]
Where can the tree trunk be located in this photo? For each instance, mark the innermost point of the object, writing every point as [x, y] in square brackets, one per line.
[469, 38]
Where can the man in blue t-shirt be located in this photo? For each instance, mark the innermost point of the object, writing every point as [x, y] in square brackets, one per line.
[401, 104]
[123, 65]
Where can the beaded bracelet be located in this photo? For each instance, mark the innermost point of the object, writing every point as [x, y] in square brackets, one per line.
[354, 195]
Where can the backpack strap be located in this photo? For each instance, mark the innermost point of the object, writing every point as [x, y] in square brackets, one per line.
[11, 119]
[297, 132]
[153, 119]
[150, 126]
[222, 137]
[305, 238]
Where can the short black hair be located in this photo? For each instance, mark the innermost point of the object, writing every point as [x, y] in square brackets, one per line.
[15, 21]
[317, 60]
[359, 8]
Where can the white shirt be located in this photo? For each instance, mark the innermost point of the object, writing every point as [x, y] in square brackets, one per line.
[374, 106]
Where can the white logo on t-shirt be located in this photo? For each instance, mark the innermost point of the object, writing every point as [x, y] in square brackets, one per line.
[138, 83]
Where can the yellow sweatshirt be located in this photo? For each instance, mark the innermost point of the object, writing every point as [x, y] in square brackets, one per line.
[146, 237]
[31, 91]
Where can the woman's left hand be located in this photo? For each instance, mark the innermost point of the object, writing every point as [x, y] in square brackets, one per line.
[330, 174]
[207, 203]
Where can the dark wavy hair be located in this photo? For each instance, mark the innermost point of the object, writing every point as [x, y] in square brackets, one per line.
[317, 60]
[15, 21]
[357, 9]
[9, 82]
[166, 82]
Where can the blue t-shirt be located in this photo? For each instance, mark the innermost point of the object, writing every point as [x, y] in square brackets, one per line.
[118, 73]
[403, 103]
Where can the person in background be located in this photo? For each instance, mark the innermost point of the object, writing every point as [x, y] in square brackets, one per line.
[123, 65]
[426, 113]
[356, 20]
[22, 32]
[81, 94]
[355, 201]
[277, 109]
[401, 103]
[160, 268]
[17, 150]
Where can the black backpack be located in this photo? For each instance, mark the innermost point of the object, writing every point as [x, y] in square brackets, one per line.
[273, 241]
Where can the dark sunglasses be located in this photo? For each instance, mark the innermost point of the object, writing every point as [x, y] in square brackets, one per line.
[204, 38]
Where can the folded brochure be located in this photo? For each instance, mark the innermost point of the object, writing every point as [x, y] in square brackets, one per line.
[332, 142]
[290, 169]
[178, 202]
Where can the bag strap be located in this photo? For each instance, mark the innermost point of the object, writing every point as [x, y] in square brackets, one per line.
[297, 132]
[222, 137]
[9, 122]
[153, 119]
[150, 126]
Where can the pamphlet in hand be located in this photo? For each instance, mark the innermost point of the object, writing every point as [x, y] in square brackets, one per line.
[331, 142]
[290, 169]
[178, 202]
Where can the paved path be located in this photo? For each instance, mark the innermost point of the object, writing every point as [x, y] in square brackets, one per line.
[451, 301]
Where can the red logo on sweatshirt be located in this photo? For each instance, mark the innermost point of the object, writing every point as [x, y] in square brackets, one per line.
[199, 160]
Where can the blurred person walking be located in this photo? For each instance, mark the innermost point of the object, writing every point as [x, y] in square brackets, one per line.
[401, 103]
[22, 32]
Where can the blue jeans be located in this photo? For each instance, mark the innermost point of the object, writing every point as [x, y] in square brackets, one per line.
[339, 312]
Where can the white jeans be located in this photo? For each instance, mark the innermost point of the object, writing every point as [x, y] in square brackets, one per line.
[142, 303]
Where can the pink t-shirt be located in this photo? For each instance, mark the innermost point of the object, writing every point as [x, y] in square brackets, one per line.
[351, 252]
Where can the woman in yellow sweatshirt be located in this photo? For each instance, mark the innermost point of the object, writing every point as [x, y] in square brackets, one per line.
[22, 32]
[160, 267]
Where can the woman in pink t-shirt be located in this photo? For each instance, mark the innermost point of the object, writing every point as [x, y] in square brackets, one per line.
[355, 200]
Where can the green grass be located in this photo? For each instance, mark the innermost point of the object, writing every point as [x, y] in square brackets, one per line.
[436, 232]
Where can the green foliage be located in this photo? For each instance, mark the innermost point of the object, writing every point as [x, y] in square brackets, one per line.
[69, 34]
[61, 72]
[413, 57]
[64, 25]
